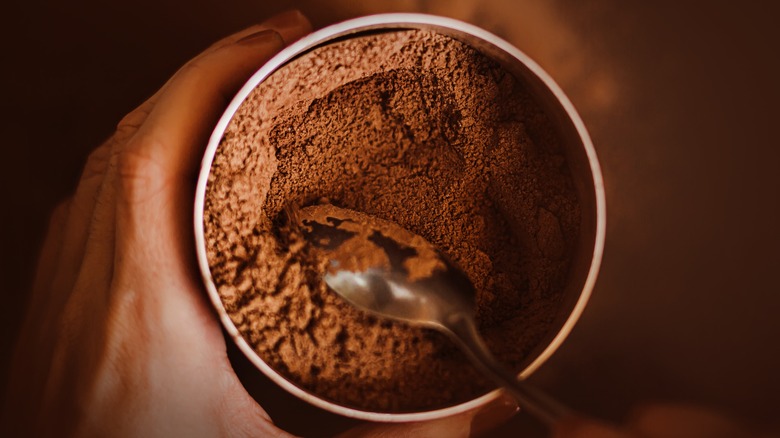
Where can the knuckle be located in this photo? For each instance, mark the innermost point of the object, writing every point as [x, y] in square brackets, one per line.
[140, 176]
[97, 161]
[130, 123]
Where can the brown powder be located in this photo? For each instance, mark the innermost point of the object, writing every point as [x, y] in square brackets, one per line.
[410, 127]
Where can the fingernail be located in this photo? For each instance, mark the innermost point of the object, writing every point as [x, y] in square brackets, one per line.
[493, 415]
[286, 19]
[263, 36]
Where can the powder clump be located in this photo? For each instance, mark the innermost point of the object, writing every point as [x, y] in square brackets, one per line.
[411, 127]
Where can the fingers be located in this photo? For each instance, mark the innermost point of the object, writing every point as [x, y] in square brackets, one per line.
[657, 421]
[579, 427]
[147, 159]
[154, 253]
[474, 423]
[29, 358]
[63, 275]
[683, 421]
[494, 414]
[52, 245]
[454, 427]
[138, 204]
[79, 217]
[138, 160]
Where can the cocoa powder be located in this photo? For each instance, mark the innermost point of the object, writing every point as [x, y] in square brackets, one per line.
[411, 127]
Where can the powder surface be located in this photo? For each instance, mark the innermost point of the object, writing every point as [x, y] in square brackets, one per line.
[411, 127]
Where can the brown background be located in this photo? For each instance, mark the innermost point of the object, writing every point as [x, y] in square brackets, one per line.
[681, 100]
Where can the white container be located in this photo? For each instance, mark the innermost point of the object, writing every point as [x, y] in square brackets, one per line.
[575, 141]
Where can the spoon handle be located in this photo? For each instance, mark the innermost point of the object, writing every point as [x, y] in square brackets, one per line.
[535, 401]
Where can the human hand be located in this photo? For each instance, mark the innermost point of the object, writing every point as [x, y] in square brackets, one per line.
[666, 420]
[120, 339]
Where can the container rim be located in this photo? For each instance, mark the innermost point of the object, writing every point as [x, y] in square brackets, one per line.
[360, 25]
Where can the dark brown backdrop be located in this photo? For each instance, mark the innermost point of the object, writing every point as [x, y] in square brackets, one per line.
[680, 98]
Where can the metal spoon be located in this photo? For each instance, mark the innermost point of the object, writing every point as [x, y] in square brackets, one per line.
[441, 298]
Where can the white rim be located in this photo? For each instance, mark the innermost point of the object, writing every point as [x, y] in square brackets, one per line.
[360, 25]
